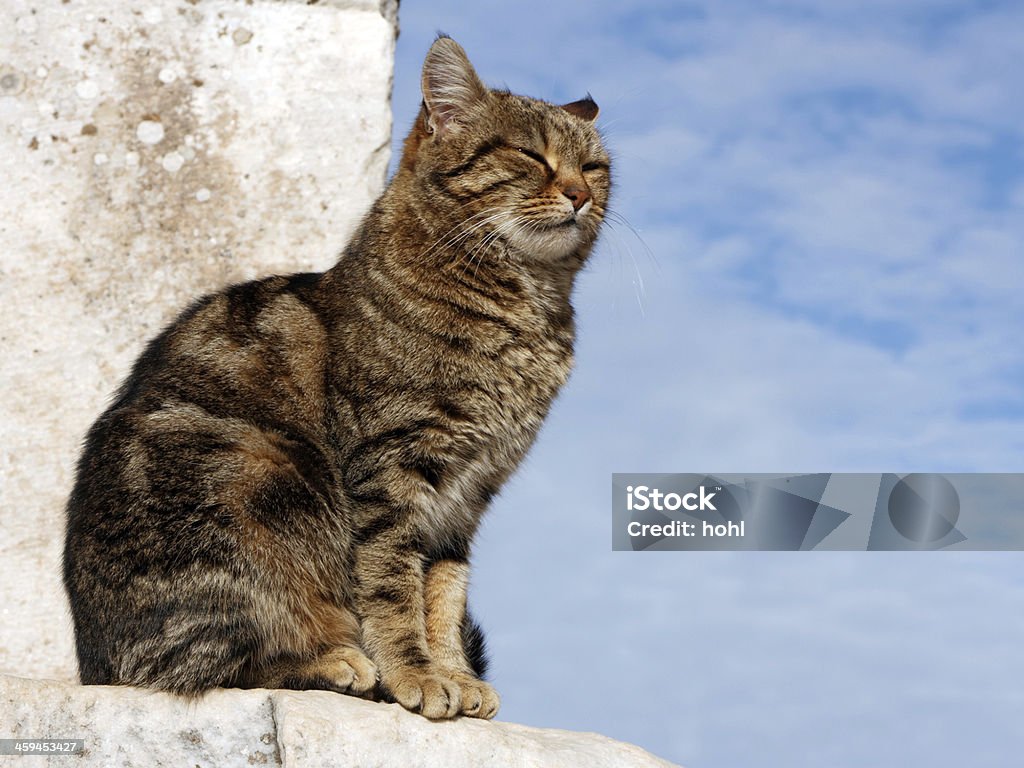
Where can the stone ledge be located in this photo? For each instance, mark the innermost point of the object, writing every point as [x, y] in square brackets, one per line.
[136, 727]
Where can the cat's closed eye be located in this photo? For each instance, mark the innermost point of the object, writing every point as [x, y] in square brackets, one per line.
[535, 156]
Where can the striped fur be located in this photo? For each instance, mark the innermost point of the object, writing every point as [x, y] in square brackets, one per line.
[285, 490]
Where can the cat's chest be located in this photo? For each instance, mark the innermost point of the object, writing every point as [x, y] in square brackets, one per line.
[446, 427]
[511, 388]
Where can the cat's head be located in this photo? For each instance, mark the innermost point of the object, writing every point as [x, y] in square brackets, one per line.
[532, 175]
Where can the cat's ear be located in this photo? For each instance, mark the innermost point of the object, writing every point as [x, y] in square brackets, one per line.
[585, 109]
[450, 86]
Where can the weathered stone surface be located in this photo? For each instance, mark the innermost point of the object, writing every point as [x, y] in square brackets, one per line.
[151, 153]
[132, 727]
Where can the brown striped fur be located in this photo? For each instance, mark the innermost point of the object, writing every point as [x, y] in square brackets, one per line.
[285, 490]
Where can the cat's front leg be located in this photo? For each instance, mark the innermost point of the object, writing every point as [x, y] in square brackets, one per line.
[445, 587]
[390, 603]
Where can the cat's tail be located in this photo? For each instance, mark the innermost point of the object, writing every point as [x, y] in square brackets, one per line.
[475, 646]
[182, 649]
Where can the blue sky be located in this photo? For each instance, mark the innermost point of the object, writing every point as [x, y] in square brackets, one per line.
[830, 200]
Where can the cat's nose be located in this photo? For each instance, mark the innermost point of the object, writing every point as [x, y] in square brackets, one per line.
[577, 195]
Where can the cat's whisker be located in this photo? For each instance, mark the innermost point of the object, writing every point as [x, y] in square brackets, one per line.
[471, 229]
[614, 217]
[469, 254]
[621, 245]
[476, 254]
[441, 243]
[506, 227]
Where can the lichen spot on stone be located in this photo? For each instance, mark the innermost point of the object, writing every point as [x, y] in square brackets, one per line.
[150, 132]
[241, 36]
[87, 89]
[11, 83]
[172, 162]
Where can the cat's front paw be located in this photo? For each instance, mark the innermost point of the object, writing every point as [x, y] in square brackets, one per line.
[433, 695]
[348, 670]
[478, 698]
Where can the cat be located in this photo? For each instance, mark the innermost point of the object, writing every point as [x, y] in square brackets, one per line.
[284, 491]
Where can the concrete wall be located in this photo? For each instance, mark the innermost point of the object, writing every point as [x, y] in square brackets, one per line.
[149, 153]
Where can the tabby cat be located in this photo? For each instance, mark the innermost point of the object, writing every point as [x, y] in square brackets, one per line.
[285, 489]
